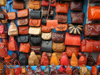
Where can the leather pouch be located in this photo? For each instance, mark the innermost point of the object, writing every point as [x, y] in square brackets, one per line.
[34, 4]
[22, 22]
[23, 13]
[46, 46]
[23, 30]
[23, 38]
[74, 40]
[18, 5]
[58, 37]
[35, 30]
[61, 27]
[62, 8]
[3, 2]
[24, 47]
[77, 18]
[59, 47]
[11, 15]
[45, 29]
[75, 29]
[35, 14]
[46, 36]
[36, 49]
[76, 6]
[35, 22]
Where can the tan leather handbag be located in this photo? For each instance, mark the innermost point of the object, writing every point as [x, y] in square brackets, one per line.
[46, 36]
[3, 2]
[33, 59]
[58, 47]
[12, 31]
[35, 30]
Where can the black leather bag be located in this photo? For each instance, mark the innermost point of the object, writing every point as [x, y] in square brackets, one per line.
[46, 46]
[23, 38]
[35, 40]
[23, 59]
[36, 14]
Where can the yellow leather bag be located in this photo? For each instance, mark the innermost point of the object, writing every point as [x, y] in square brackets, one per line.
[3, 2]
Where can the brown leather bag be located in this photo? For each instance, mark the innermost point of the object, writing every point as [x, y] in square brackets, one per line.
[11, 15]
[34, 4]
[91, 30]
[18, 5]
[23, 13]
[59, 47]
[23, 30]
[61, 27]
[22, 22]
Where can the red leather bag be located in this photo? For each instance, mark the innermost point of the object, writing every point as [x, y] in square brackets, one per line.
[64, 59]
[74, 40]
[45, 29]
[17, 70]
[1, 29]
[62, 70]
[44, 59]
[69, 70]
[94, 70]
[90, 45]
[98, 60]
[12, 45]
[23, 30]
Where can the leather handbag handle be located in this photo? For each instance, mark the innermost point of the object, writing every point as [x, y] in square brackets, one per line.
[17, 62]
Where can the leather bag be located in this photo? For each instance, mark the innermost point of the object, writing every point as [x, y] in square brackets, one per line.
[74, 40]
[23, 38]
[18, 5]
[75, 29]
[46, 36]
[90, 45]
[46, 46]
[23, 13]
[75, 71]
[62, 70]
[14, 56]
[36, 49]
[22, 22]
[38, 70]
[54, 59]
[58, 37]
[6, 59]
[35, 30]
[12, 45]
[34, 5]
[33, 61]
[45, 29]
[98, 60]
[59, 47]
[30, 71]
[24, 72]
[77, 18]
[46, 71]
[24, 47]
[72, 49]
[69, 70]
[3, 2]
[23, 59]
[35, 22]
[11, 15]
[62, 8]
[94, 70]
[23, 30]
[12, 31]
[35, 40]
[61, 27]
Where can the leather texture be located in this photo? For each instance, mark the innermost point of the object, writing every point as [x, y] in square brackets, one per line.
[46, 36]
[30, 71]
[45, 29]
[69, 70]
[98, 60]
[11, 15]
[36, 49]
[38, 70]
[23, 30]
[3, 2]
[1, 29]
[4, 36]
[94, 70]
[61, 27]
[23, 38]
[59, 54]
[62, 70]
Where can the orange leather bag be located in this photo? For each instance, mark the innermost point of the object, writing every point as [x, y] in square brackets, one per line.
[24, 47]
[23, 30]
[93, 13]
[35, 22]
[11, 15]
[62, 8]
[61, 27]
[45, 29]
[98, 60]
[94, 70]
[69, 70]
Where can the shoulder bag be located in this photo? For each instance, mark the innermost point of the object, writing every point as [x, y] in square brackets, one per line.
[45, 29]
[46, 36]
[23, 38]
[23, 30]
[61, 27]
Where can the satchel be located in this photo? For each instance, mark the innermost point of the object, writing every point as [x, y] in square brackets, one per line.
[34, 5]
[35, 30]
[45, 29]
[11, 15]
[23, 59]
[14, 56]
[62, 70]
[59, 47]
[23, 13]
[12, 31]
[18, 5]
[46, 36]
[76, 6]
[12, 45]
[35, 40]
[69, 70]
[77, 18]
[22, 22]
[35, 22]
[90, 45]
[58, 37]
[36, 49]
[59, 54]
[35, 14]
[91, 30]
[23, 38]
[24, 47]
[46, 46]
[94, 70]
[62, 8]
[23, 30]
[74, 40]
[54, 59]
[98, 60]
[3, 2]
[61, 27]
[75, 29]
